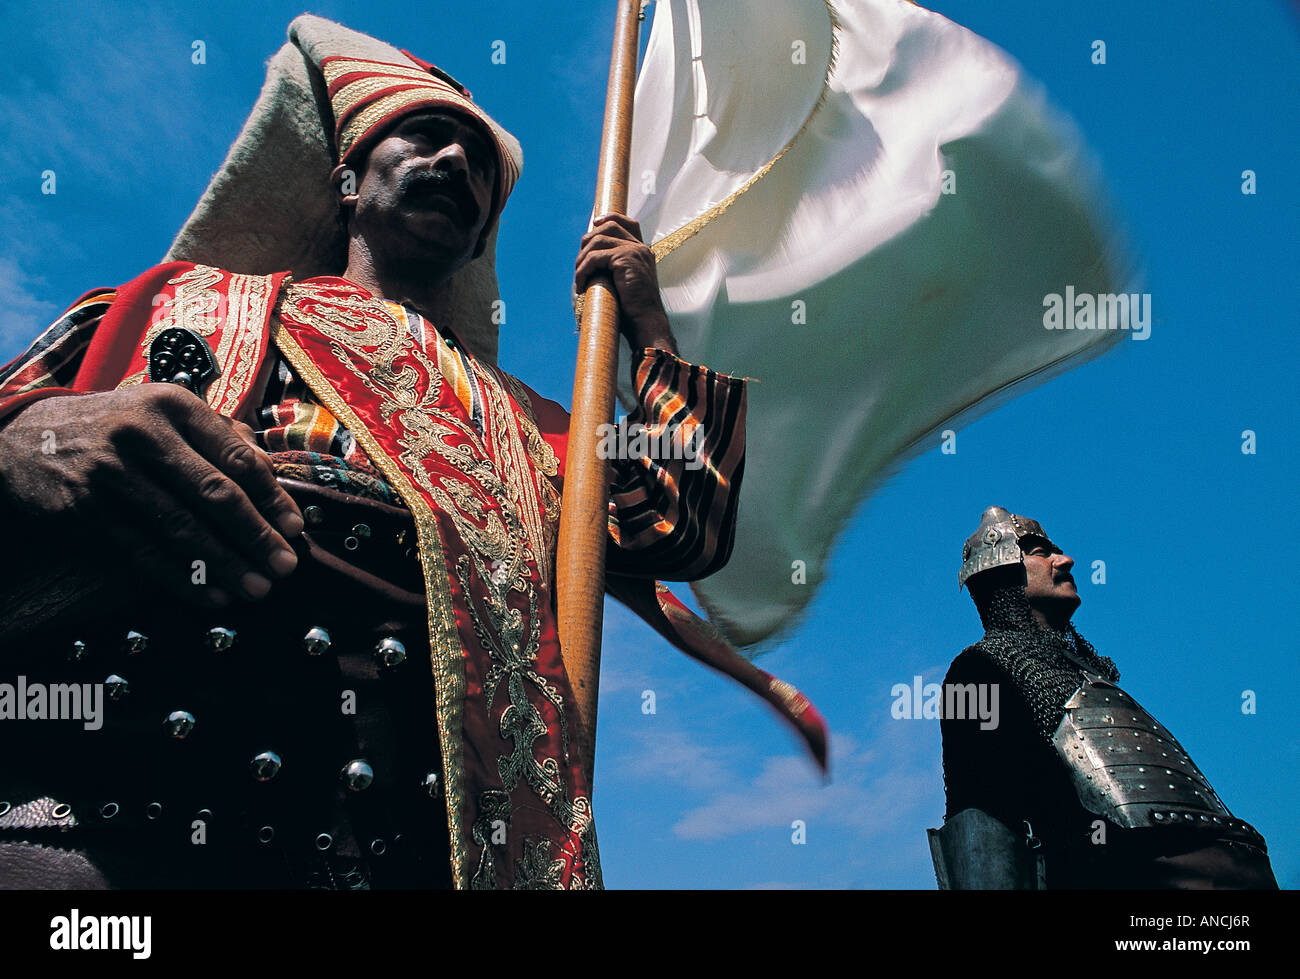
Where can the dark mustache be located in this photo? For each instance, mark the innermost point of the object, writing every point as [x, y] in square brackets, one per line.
[452, 184]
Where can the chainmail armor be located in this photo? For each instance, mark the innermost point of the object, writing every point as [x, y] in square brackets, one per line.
[1018, 778]
[1037, 660]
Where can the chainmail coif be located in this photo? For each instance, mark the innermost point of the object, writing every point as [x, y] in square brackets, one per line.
[1037, 659]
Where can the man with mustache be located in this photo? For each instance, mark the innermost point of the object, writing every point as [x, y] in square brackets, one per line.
[1076, 786]
[341, 668]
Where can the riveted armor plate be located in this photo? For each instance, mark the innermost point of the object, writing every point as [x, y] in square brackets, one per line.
[1127, 767]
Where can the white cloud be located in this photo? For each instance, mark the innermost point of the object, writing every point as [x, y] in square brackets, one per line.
[671, 755]
[872, 789]
[865, 827]
[23, 315]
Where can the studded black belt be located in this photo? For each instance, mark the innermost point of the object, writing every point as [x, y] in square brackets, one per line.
[286, 743]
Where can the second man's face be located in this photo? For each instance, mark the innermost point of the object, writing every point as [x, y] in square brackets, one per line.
[1047, 576]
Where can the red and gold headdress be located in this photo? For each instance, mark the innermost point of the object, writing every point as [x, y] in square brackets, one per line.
[369, 96]
[272, 205]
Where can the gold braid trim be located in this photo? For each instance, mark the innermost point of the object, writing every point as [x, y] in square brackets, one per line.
[671, 241]
[242, 336]
[335, 68]
[444, 638]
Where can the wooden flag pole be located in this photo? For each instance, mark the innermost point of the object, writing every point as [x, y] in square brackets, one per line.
[580, 577]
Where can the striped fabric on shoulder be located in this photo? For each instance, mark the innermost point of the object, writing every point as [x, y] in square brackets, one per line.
[53, 359]
[676, 481]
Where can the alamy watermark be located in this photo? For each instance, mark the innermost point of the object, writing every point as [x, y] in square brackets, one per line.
[1100, 311]
[636, 441]
[102, 932]
[947, 701]
[23, 701]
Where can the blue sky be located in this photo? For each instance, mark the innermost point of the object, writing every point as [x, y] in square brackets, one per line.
[1133, 459]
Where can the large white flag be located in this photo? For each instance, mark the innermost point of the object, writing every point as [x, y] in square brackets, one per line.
[865, 207]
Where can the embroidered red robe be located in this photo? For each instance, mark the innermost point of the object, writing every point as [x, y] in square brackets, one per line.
[482, 481]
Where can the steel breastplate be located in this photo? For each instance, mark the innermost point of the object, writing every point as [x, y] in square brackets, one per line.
[1128, 768]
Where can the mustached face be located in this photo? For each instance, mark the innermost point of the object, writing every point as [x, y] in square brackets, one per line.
[425, 195]
[1049, 585]
[443, 191]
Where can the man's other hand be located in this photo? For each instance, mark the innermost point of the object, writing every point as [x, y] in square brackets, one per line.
[613, 247]
[158, 479]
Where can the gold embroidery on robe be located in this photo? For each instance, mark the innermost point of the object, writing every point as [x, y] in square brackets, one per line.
[498, 511]
[240, 310]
